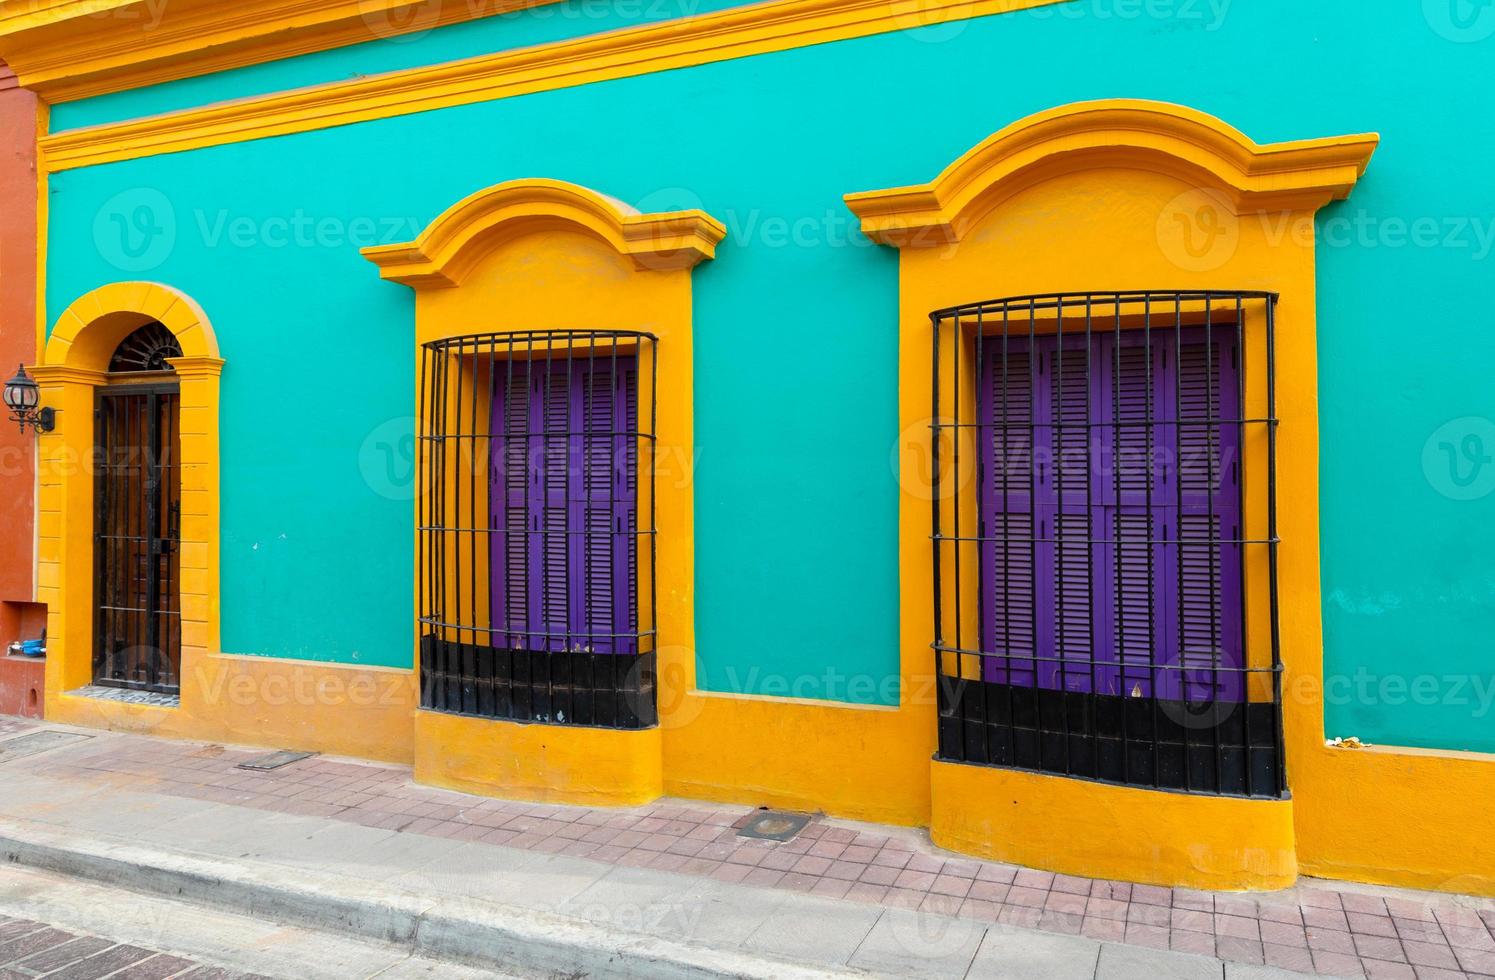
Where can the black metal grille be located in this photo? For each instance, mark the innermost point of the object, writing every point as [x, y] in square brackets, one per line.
[146, 349]
[536, 526]
[1105, 538]
[138, 621]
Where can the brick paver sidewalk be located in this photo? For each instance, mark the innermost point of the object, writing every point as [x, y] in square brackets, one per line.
[1341, 930]
[34, 949]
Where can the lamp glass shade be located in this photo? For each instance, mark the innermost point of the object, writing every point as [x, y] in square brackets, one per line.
[21, 393]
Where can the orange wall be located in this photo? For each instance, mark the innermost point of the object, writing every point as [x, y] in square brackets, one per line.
[18, 197]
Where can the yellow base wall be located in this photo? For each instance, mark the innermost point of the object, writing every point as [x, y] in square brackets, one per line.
[545, 763]
[1100, 831]
[1395, 816]
[283, 704]
[863, 763]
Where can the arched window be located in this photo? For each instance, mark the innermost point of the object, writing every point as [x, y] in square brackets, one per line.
[146, 350]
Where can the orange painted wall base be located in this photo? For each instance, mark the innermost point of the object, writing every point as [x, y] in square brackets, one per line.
[22, 686]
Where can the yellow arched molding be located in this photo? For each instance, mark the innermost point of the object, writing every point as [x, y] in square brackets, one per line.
[446, 252]
[89, 330]
[252, 700]
[1128, 133]
[1087, 197]
[530, 253]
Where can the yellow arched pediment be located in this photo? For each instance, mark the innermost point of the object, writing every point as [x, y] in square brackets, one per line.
[88, 331]
[1124, 133]
[452, 245]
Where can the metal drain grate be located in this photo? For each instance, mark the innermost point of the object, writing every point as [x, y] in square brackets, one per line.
[264, 763]
[24, 745]
[774, 825]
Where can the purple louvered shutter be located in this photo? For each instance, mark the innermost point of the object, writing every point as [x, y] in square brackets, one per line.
[1116, 555]
[1208, 527]
[1133, 488]
[563, 489]
[1065, 515]
[607, 405]
[1009, 602]
[509, 511]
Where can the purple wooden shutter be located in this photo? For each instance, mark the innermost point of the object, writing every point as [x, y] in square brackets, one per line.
[1133, 488]
[608, 406]
[1065, 502]
[1209, 601]
[1128, 462]
[509, 464]
[1009, 624]
[565, 477]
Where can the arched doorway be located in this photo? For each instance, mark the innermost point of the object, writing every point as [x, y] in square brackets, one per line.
[137, 528]
[127, 550]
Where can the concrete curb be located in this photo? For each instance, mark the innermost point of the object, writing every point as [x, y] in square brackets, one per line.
[472, 931]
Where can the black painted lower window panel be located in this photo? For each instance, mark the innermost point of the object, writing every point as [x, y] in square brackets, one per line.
[1224, 748]
[562, 688]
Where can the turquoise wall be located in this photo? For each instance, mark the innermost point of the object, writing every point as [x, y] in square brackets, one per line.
[795, 496]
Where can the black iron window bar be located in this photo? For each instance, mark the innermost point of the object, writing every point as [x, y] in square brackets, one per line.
[536, 526]
[1097, 617]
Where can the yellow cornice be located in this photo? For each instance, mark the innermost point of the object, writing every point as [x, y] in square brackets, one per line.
[47, 375]
[1123, 133]
[200, 366]
[73, 49]
[455, 242]
[777, 25]
[24, 15]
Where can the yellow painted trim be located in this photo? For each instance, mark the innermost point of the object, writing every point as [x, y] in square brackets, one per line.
[778, 25]
[1070, 200]
[545, 763]
[87, 332]
[1107, 194]
[448, 249]
[1098, 831]
[76, 49]
[74, 363]
[1130, 133]
[546, 253]
[21, 15]
[787, 752]
[43, 214]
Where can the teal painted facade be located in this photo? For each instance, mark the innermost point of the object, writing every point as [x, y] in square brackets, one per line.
[795, 321]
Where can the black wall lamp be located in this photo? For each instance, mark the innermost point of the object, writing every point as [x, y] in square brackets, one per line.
[21, 396]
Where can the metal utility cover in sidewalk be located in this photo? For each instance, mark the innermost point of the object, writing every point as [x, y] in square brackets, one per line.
[775, 825]
[23, 745]
[274, 760]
